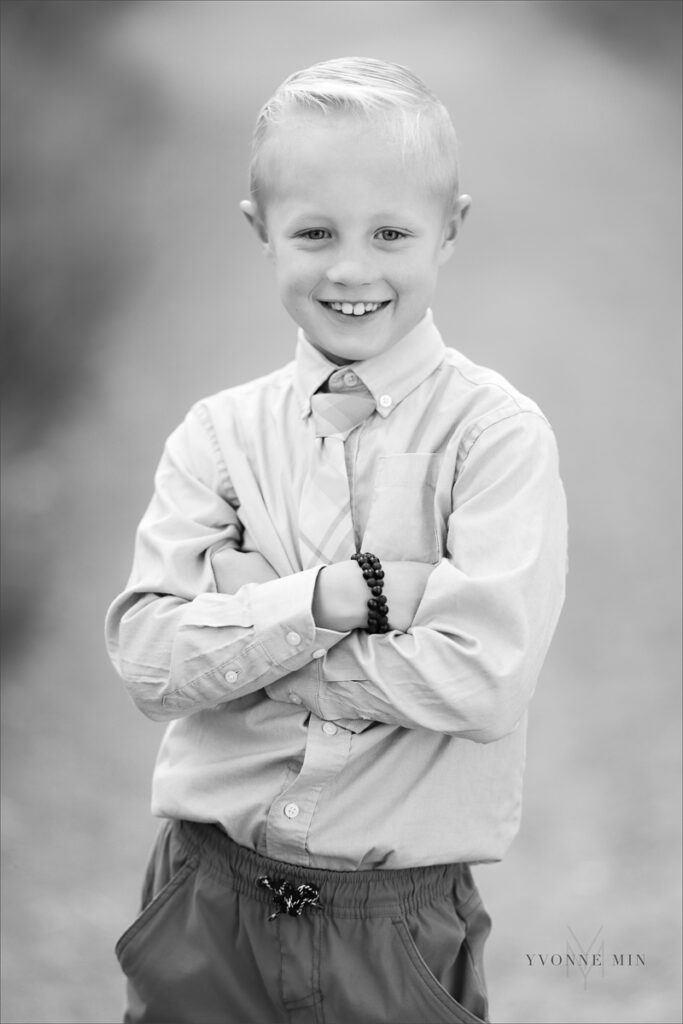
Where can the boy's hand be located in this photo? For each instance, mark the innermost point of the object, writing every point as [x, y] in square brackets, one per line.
[232, 569]
[341, 595]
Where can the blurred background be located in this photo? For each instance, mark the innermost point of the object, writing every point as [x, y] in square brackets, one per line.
[132, 287]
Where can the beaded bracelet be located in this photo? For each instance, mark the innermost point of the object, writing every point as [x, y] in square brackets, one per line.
[373, 574]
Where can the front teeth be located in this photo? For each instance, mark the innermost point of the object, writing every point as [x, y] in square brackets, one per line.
[355, 308]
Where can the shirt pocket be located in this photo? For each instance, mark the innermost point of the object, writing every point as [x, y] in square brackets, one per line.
[402, 525]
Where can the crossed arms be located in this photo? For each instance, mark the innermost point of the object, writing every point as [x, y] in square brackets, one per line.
[202, 623]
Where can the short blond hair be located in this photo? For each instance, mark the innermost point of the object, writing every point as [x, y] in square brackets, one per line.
[376, 90]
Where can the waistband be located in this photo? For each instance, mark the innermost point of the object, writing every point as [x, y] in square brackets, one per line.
[376, 893]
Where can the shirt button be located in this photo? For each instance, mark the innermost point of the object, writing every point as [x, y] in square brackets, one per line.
[293, 638]
[329, 728]
[319, 654]
[231, 677]
[291, 810]
[295, 698]
[350, 379]
[385, 401]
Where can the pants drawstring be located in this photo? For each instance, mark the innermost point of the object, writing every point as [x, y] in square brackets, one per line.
[288, 899]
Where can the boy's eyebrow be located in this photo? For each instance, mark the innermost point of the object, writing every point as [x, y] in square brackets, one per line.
[307, 215]
[382, 217]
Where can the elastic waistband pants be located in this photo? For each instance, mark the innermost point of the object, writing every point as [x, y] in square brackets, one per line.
[226, 936]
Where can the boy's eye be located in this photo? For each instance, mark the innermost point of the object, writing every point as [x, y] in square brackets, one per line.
[314, 234]
[390, 235]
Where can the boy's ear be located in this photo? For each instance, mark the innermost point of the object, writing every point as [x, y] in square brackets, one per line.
[251, 212]
[453, 225]
[464, 203]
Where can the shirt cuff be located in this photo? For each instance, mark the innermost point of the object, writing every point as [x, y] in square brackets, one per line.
[277, 636]
[283, 619]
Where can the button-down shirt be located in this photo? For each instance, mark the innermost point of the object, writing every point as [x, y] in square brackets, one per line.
[350, 750]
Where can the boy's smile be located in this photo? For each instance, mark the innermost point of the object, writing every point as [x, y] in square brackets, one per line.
[355, 308]
[355, 230]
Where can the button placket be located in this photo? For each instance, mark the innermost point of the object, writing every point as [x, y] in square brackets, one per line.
[292, 815]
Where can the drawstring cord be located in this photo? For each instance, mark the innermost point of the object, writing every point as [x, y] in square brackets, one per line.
[287, 899]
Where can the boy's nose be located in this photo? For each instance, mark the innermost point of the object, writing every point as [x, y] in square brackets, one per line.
[351, 273]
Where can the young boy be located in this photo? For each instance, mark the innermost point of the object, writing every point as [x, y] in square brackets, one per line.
[346, 733]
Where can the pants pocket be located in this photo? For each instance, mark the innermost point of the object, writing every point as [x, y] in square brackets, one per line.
[442, 945]
[439, 1002]
[168, 870]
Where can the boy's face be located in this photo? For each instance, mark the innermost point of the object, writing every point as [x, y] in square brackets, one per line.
[356, 234]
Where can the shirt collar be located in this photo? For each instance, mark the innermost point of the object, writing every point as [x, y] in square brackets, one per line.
[389, 376]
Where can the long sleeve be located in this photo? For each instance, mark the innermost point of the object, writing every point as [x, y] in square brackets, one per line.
[469, 663]
[180, 646]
